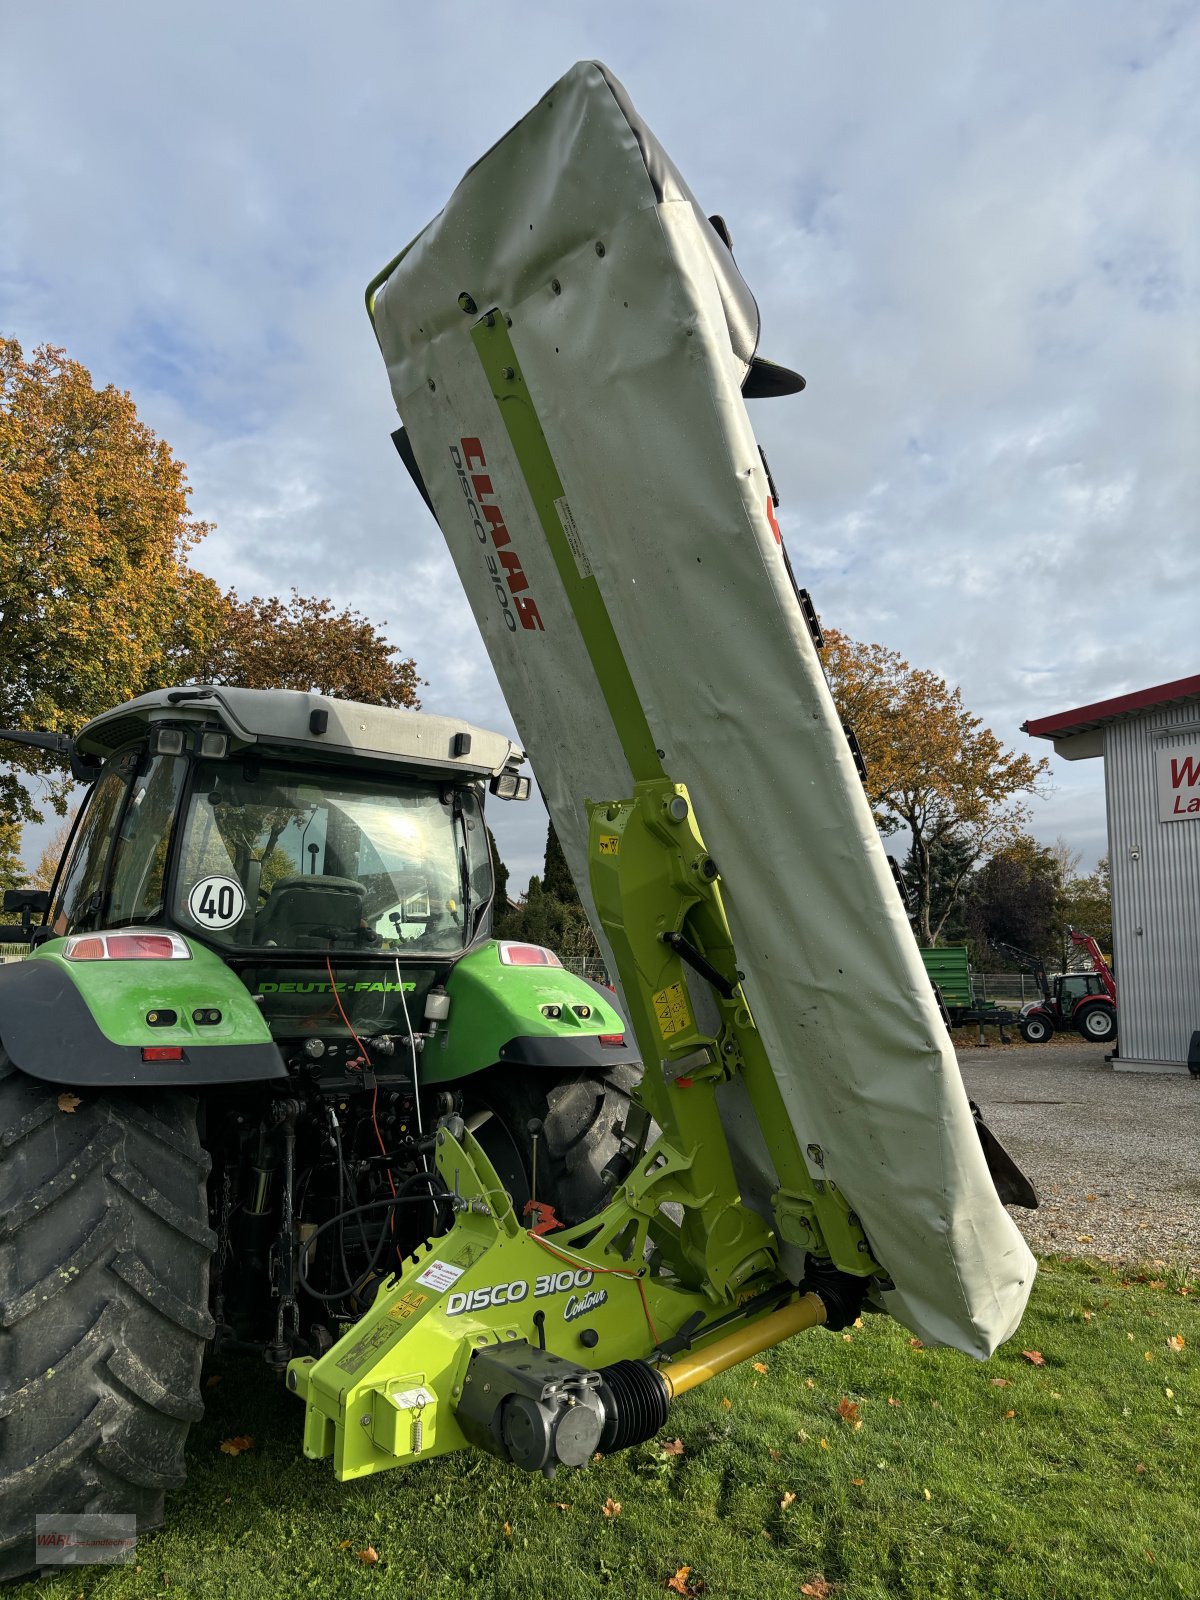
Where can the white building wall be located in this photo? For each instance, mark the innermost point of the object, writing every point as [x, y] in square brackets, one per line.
[1156, 897]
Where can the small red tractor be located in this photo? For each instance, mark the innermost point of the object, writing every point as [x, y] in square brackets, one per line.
[1085, 1001]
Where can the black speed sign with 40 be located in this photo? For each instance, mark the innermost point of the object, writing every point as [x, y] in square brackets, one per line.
[216, 902]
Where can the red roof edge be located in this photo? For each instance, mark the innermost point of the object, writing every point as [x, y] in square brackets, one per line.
[1104, 710]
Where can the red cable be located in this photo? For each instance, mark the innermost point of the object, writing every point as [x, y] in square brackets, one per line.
[375, 1096]
[614, 1272]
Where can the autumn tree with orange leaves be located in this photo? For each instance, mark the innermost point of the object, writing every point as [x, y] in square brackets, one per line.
[932, 767]
[98, 599]
[305, 643]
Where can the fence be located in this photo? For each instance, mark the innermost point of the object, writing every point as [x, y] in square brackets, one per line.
[1004, 988]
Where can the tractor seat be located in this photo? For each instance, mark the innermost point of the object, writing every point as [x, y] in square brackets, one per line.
[309, 913]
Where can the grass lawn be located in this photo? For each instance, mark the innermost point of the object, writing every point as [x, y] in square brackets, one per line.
[1075, 1477]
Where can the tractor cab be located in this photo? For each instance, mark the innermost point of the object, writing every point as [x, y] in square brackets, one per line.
[334, 855]
[1071, 988]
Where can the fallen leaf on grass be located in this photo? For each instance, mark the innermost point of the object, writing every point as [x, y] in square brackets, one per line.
[760, 1366]
[1087, 1315]
[369, 1556]
[848, 1338]
[817, 1589]
[916, 1344]
[344, 1544]
[235, 1446]
[68, 1102]
[824, 1444]
[848, 1412]
[508, 1530]
[1140, 1468]
[809, 1384]
[611, 1507]
[927, 1494]
[1176, 1342]
[1009, 1415]
[1001, 1383]
[775, 1455]
[892, 1401]
[788, 1497]
[859, 1323]
[727, 1403]
[1148, 1355]
[672, 1447]
[678, 1584]
[1034, 1356]
[858, 1482]
[562, 1505]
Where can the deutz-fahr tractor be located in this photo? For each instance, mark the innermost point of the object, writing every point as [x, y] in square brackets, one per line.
[270, 925]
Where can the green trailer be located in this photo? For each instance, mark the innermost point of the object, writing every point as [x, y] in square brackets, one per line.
[949, 969]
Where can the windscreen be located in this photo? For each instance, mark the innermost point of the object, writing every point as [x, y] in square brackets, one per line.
[275, 857]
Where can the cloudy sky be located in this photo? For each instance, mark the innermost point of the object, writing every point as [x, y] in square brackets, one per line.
[971, 226]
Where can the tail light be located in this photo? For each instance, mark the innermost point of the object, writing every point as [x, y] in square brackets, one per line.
[526, 955]
[131, 944]
[614, 1040]
[162, 1052]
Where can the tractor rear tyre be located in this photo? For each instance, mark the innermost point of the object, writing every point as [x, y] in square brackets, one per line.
[104, 1256]
[582, 1118]
[1097, 1024]
[1035, 1030]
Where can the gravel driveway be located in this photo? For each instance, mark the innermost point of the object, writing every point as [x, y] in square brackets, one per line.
[1114, 1157]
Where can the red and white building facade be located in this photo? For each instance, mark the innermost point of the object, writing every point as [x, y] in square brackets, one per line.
[1150, 745]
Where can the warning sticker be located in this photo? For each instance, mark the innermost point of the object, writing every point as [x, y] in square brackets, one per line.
[571, 529]
[609, 844]
[407, 1306]
[440, 1275]
[671, 1010]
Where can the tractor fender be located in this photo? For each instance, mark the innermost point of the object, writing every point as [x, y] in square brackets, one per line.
[506, 1014]
[96, 1022]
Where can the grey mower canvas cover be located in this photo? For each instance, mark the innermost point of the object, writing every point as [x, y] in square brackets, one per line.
[635, 335]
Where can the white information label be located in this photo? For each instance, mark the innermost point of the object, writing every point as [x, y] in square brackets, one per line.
[216, 902]
[1178, 768]
[571, 528]
[440, 1275]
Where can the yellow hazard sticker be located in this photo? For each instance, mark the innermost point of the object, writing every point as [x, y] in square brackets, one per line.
[405, 1308]
[609, 844]
[671, 1010]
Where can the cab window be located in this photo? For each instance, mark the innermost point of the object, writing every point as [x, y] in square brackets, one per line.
[80, 901]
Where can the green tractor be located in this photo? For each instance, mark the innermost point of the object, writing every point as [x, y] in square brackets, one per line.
[262, 976]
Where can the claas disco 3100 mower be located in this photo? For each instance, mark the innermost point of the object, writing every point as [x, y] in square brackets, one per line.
[431, 1194]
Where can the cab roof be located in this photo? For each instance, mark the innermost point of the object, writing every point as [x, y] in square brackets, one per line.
[315, 724]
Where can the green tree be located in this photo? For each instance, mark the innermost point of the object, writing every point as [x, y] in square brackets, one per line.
[1016, 897]
[501, 911]
[951, 863]
[42, 876]
[1087, 905]
[98, 602]
[12, 869]
[557, 879]
[932, 767]
[552, 913]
